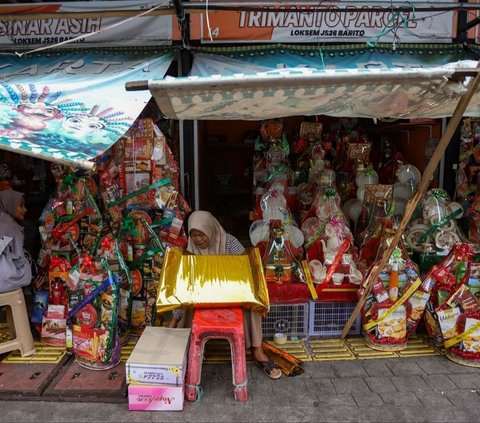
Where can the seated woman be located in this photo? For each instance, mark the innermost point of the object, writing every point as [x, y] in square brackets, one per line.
[15, 270]
[206, 236]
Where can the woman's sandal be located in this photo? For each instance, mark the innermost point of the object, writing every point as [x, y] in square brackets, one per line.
[268, 368]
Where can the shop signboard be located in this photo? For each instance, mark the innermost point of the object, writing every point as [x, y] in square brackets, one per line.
[331, 21]
[85, 24]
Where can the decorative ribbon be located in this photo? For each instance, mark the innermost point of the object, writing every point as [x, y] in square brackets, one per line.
[153, 236]
[396, 256]
[60, 263]
[439, 194]
[138, 263]
[108, 244]
[66, 224]
[330, 193]
[164, 222]
[316, 235]
[87, 264]
[160, 183]
[456, 339]
[334, 265]
[97, 211]
[280, 170]
[68, 182]
[128, 225]
[462, 251]
[439, 224]
[90, 297]
[469, 153]
[308, 277]
[395, 306]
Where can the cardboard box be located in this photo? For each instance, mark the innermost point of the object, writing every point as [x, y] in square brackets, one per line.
[155, 397]
[159, 357]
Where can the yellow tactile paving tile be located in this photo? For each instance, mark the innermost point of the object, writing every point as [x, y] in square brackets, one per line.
[361, 351]
[296, 348]
[218, 351]
[44, 354]
[127, 349]
[329, 349]
[417, 346]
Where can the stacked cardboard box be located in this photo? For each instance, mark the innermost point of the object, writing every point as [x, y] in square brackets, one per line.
[156, 369]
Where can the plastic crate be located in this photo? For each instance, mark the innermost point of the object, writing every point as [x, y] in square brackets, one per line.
[330, 318]
[290, 319]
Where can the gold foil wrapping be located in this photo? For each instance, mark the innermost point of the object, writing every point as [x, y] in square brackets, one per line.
[212, 281]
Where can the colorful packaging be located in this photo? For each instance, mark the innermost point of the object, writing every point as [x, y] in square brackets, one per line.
[417, 302]
[471, 343]
[155, 398]
[448, 322]
[394, 325]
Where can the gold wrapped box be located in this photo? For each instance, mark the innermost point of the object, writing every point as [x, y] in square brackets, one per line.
[212, 281]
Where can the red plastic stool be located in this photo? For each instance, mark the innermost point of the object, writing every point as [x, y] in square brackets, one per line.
[217, 323]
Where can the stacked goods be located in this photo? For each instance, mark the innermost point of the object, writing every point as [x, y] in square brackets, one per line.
[436, 230]
[104, 235]
[156, 370]
[453, 311]
[396, 303]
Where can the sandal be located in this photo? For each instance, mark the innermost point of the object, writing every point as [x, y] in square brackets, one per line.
[269, 368]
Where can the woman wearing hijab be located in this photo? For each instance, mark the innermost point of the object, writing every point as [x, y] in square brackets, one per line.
[15, 270]
[207, 237]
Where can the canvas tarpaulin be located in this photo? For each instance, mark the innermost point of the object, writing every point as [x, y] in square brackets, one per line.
[71, 106]
[347, 81]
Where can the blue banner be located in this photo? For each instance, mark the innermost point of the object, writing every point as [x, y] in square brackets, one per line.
[72, 106]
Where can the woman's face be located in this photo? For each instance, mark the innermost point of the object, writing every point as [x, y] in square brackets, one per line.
[20, 210]
[199, 239]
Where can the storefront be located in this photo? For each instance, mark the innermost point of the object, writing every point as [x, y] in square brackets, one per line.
[277, 137]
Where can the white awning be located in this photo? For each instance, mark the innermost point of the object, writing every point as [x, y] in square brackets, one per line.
[256, 86]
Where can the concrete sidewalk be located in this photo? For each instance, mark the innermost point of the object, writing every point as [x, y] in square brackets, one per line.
[430, 389]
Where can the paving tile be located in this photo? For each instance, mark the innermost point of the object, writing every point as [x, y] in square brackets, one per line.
[289, 385]
[459, 368]
[439, 382]
[376, 368]
[349, 368]
[320, 386]
[434, 365]
[433, 398]
[380, 384]
[339, 413]
[318, 370]
[367, 399]
[350, 384]
[404, 367]
[400, 398]
[466, 381]
[463, 397]
[334, 400]
[409, 383]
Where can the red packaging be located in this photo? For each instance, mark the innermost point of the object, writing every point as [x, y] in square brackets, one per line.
[381, 294]
[444, 276]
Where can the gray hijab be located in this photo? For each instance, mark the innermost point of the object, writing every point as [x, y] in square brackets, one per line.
[9, 201]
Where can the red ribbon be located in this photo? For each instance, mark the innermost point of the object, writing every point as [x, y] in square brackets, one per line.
[59, 264]
[334, 265]
[87, 264]
[108, 244]
[61, 229]
[462, 251]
